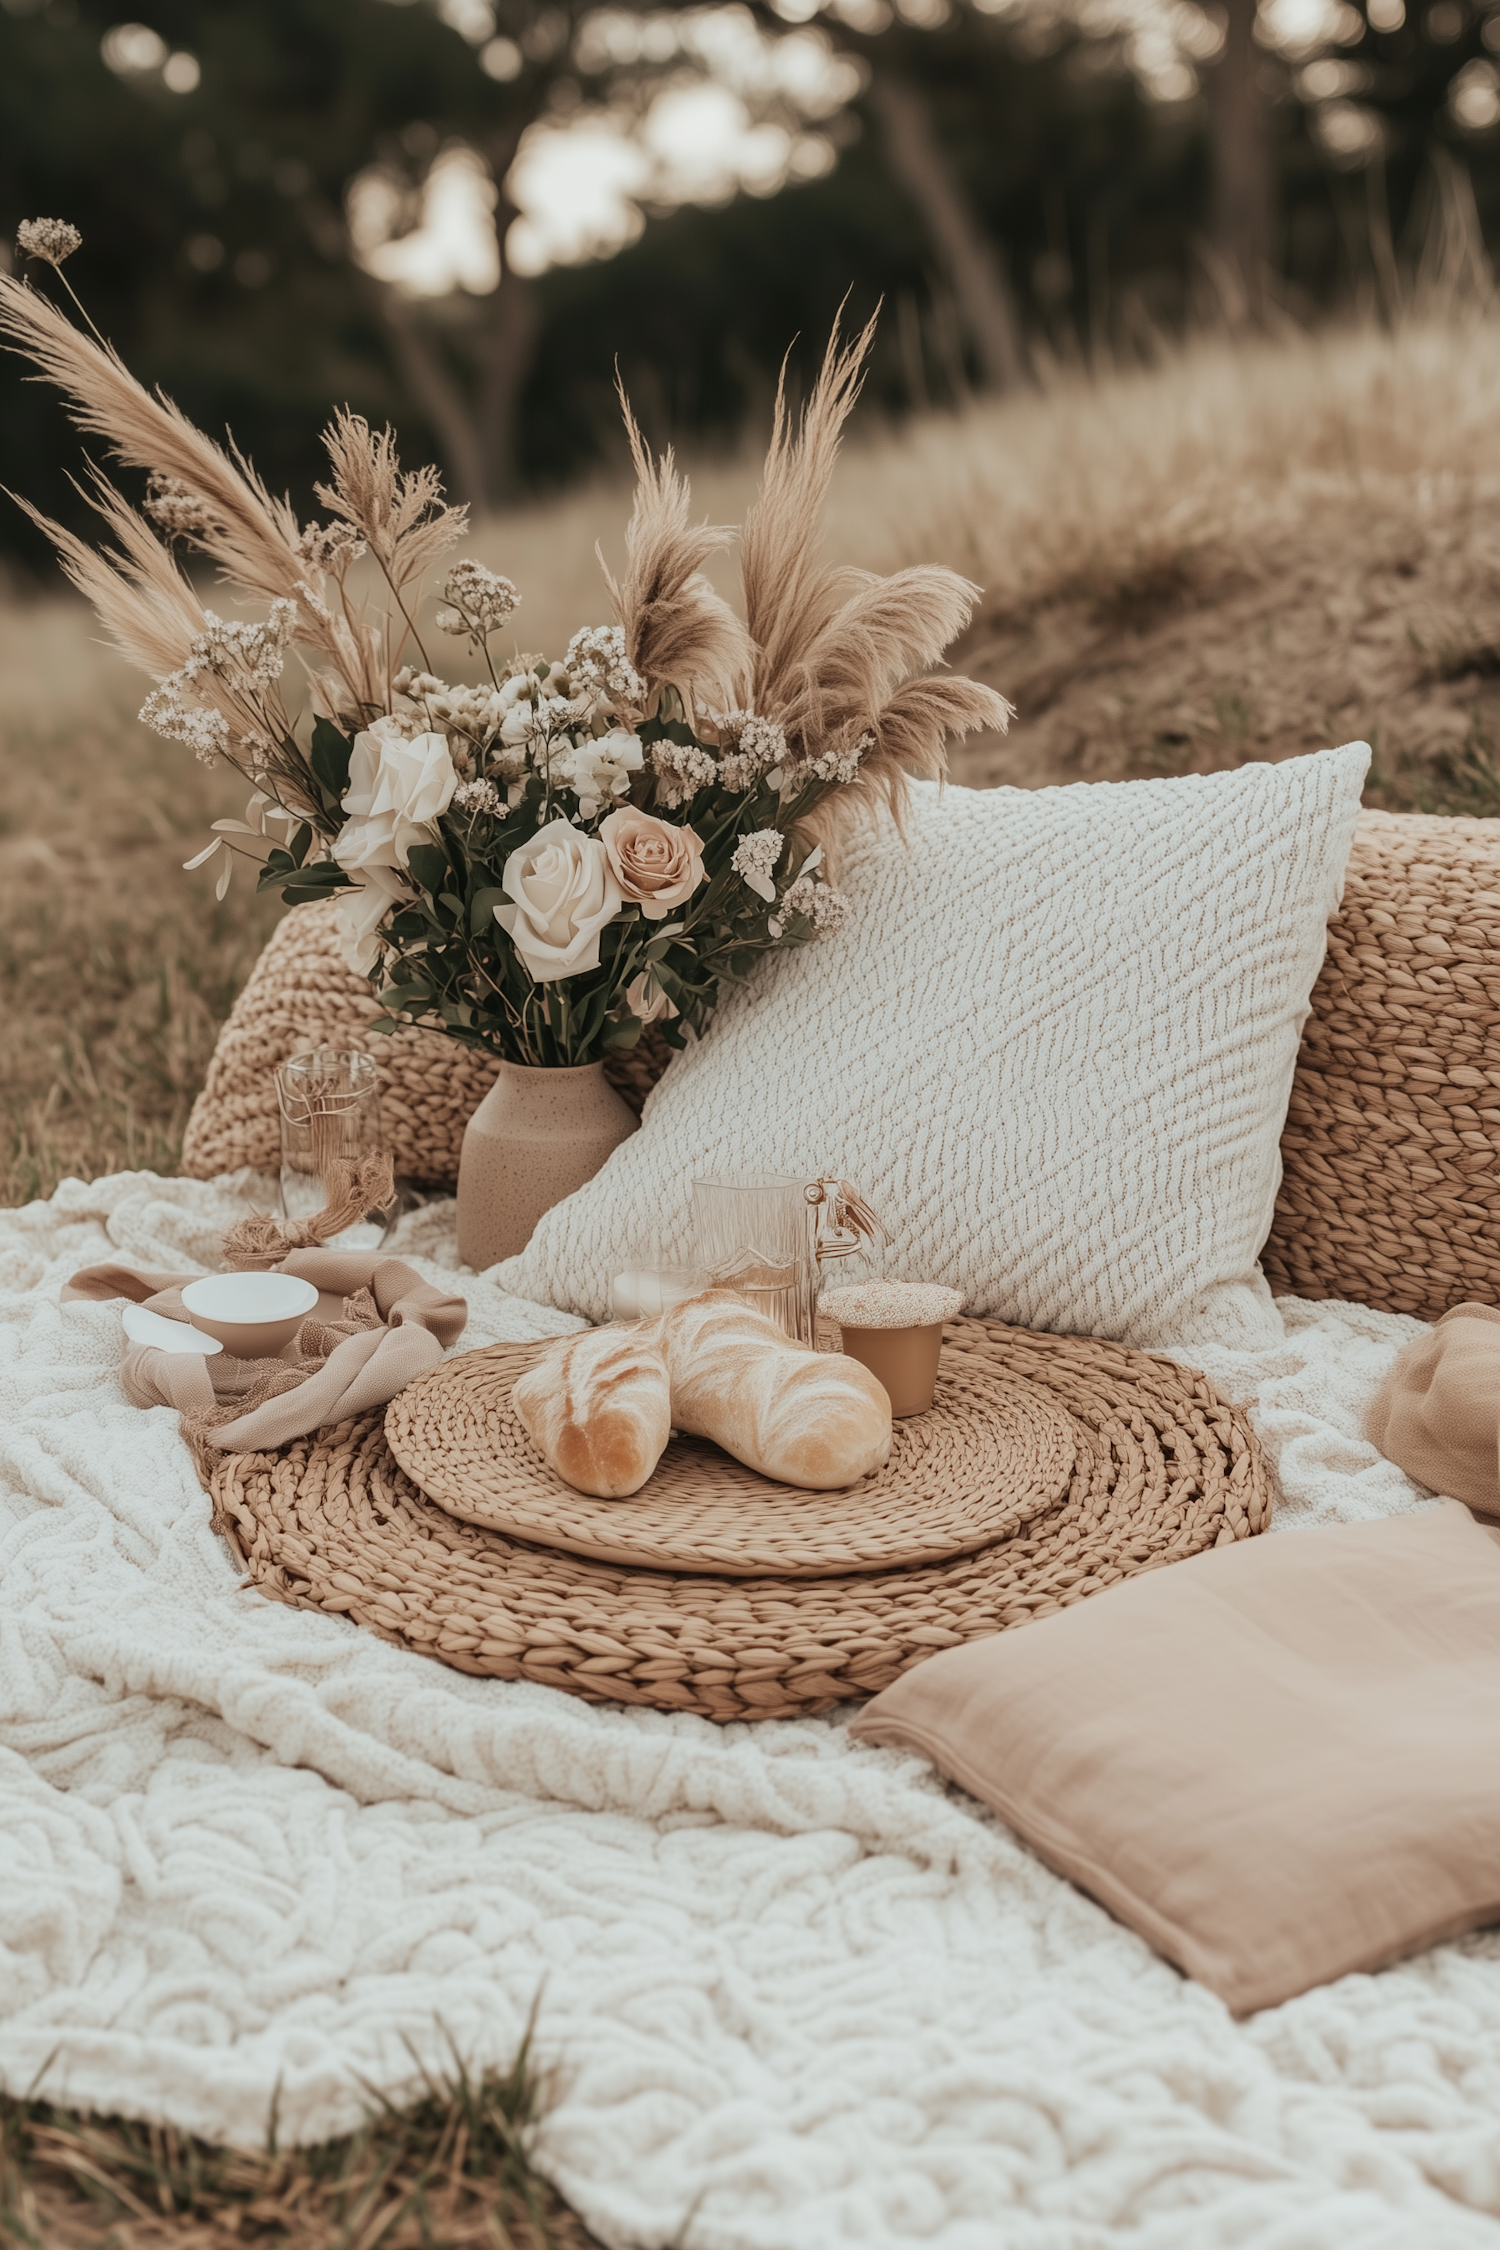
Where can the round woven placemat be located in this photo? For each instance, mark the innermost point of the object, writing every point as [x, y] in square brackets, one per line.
[991, 1454]
[1164, 1469]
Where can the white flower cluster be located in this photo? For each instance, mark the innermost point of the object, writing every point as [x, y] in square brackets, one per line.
[482, 601]
[175, 508]
[754, 857]
[681, 770]
[330, 546]
[242, 656]
[168, 712]
[548, 720]
[52, 239]
[826, 909]
[253, 652]
[841, 766]
[596, 660]
[594, 766]
[477, 797]
[473, 711]
[759, 747]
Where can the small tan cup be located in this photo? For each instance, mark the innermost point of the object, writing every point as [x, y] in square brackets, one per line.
[895, 1328]
[253, 1315]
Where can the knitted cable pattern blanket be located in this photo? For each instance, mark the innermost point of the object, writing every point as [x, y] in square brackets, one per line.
[798, 1993]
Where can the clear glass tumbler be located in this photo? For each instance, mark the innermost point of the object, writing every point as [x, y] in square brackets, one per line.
[756, 1233]
[330, 1108]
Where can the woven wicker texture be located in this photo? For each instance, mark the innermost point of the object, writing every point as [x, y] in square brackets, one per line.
[1391, 1154]
[1165, 1469]
[301, 995]
[989, 1456]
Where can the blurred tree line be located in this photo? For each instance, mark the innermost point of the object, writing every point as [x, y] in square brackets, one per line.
[1022, 187]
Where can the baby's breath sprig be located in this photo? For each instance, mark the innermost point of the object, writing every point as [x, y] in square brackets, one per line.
[481, 602]
[53, 240]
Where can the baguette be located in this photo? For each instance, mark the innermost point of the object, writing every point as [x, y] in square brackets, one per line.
[813, 1419]
[598, 1409]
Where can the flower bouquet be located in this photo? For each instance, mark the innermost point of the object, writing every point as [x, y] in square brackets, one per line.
[543, 862]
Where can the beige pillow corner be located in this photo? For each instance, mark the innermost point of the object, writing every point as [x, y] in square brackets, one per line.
[1275, 1761]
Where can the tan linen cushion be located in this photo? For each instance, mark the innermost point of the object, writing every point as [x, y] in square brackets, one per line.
[299, 995]
[1437, 1414]
[1276, 1761]
[1390, 1191]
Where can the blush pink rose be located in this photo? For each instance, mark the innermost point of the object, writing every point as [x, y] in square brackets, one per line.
[656, 864]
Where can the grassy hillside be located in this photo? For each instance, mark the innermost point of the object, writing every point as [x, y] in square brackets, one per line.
[1241, 554]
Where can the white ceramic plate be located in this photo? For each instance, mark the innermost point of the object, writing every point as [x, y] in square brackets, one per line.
[144, 1327]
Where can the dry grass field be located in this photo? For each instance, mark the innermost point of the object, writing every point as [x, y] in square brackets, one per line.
[1239, 554]
[1242, 553]
[454, 2172]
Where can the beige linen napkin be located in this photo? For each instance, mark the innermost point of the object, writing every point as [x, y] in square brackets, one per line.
[1437, 1414]
[376, 1327]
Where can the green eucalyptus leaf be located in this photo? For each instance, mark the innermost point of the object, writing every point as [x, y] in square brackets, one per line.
[330, 758]
[323, 876]
[430, 867]
[665, 730]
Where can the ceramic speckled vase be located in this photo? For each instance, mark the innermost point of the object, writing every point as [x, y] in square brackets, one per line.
[536, 1136]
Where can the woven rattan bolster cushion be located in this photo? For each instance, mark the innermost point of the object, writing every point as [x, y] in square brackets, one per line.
[300, 994]
[1390, 1192]
[1276, 1761]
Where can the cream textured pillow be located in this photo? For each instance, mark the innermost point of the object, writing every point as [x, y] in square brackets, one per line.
[1053, 1044]
[1276, 1761]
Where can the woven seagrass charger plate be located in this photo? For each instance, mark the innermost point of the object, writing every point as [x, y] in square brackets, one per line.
[1163, 1468]
[991, 1454]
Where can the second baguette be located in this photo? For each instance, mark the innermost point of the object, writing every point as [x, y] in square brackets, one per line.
[814, 1419]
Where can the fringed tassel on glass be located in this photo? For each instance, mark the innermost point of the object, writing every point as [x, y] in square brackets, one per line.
[256, 1244]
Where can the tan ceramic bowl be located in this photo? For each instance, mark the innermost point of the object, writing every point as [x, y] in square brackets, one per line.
[253, 1315]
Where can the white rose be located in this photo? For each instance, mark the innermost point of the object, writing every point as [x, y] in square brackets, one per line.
[397, 788]
[645, 998]
[564, 892]
[361, 913]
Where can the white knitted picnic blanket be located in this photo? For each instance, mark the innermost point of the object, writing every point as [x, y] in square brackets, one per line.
[797, 1994]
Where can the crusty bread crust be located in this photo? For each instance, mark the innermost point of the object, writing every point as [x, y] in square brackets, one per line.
[597, 1405]
[814, 1419]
